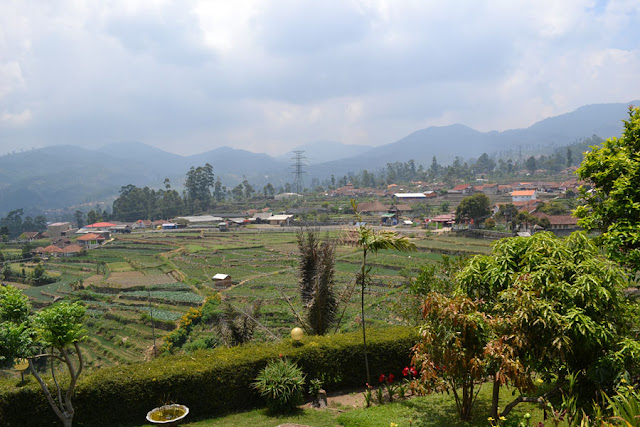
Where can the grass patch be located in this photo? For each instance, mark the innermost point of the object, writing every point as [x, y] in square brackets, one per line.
[435, 410]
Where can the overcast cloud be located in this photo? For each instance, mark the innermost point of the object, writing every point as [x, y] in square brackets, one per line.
[266, 76]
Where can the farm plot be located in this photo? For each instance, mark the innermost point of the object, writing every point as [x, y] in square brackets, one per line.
[162, 276]
[128, 279]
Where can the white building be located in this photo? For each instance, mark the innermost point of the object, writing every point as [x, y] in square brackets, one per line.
[523, 195]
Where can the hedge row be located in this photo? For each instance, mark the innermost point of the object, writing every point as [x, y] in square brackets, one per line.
[209, 382]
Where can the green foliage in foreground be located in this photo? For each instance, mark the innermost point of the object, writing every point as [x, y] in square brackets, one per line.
[612, 205]
[210, 383]
[281, 383]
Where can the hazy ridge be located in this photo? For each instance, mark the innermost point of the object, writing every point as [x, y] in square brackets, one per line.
[59, 176]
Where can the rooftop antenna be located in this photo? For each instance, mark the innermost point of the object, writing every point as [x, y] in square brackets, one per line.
[298, 184]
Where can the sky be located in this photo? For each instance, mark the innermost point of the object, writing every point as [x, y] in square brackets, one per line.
[189, 76]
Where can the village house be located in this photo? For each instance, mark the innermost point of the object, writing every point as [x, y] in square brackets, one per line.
[283, 196]
[29, 236]
[372, 208]
[523, 195]
[561, 225]
[90, 240]
[461, 189]
[489, 189]
[58, 229]
[222, 280]
[444, 220]
[142, 224]
[280, 219]
[409, 197]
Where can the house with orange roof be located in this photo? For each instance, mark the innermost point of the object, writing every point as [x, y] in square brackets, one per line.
[461, 189]
[523, 195]
[90, 240]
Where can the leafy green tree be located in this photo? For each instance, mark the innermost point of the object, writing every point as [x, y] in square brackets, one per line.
[559, 308]
[93, 217]
[238, 192]
[198, 183]
[28, 224]
[268, 190]
[484, 164]
[371, 241]
[531, 164]
[554, 208]
[451, 350]
[612, 205]
[57, 329]
[317, 269]
[79, 218]
[12, 223]
[248, 189]
[219, 191]
[171, 204]
[475, 208]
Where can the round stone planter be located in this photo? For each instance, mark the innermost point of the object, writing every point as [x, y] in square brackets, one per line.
[168, 415]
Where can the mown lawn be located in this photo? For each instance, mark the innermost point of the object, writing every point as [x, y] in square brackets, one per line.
[435, 410]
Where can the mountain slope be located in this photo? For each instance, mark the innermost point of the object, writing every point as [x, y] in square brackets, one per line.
[60, 176]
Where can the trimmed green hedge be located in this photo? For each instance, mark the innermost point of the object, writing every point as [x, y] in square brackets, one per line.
[210, 382]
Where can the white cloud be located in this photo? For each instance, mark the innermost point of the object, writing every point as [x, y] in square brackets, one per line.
[268, 76]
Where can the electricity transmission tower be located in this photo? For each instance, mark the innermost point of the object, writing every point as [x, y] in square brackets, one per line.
[298, 184]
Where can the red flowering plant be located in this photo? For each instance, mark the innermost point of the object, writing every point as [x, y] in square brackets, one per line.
[387, 383]
[409, 374]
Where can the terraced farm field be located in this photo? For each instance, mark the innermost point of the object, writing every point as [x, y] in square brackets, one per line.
[137, 286]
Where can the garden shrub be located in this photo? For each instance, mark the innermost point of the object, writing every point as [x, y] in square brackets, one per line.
[281, 383]
[209, 382]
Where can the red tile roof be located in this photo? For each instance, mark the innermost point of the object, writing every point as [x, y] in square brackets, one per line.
[90, 236]
[461, 187]
[101, 224]
[523, 193]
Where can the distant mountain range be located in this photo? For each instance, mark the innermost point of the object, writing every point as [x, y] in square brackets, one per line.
[61, 176]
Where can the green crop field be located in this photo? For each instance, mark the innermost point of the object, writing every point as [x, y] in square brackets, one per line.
[160, 276]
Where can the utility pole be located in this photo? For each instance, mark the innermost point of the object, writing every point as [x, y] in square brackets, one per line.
[298, 183]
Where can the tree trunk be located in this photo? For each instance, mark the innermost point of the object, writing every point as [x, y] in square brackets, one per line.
[364, 332]
[495, 398]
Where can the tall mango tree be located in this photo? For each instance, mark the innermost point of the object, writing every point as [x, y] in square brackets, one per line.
[371, 241]
[559, 308]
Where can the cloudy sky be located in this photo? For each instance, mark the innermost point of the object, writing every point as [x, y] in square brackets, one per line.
[269, 75]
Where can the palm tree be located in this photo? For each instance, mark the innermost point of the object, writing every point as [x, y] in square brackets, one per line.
[372, 241]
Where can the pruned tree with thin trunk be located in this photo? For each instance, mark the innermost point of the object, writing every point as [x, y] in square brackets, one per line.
[57, 329]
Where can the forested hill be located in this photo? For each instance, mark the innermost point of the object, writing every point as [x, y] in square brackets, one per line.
[62, 176]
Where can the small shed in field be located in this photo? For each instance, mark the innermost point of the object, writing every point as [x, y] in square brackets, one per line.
[222, 280]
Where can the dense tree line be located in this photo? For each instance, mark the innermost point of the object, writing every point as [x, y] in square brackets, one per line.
[202, 192]
[13, 225]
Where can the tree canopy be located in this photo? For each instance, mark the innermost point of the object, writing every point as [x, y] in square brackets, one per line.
[539, 306]
[475, 208]
[55, 328]
[612, 203]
